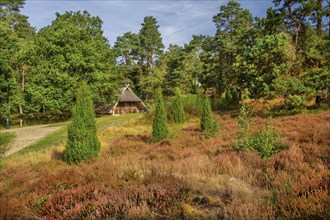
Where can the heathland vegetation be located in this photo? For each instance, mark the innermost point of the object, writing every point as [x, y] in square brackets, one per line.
[246, 135]
[183, 176]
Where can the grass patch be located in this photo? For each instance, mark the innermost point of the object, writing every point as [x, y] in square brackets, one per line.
[57, 140]
[105, 122]
[51, 140]
[59, 137]
[5, 139]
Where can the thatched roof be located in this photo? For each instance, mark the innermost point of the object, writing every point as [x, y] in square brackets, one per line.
[128, 101]
[128, 95]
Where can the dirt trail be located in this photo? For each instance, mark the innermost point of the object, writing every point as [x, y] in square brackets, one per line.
[27, 136]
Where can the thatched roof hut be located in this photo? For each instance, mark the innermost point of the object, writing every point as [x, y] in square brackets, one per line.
[128, 102]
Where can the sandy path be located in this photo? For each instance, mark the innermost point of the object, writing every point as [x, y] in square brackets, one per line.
[27, 136]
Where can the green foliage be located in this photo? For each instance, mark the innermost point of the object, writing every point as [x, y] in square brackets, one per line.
[293, 91]
[150, 41]
[66, 52]
[270, 57]
[295, 102]
[180, 66]
[82, 141]
[232, 38]
[150, 48]
[231, 99]
[8, 51]
[245, 53]
[228, 97]
[177, 114]
[234, 97]
[245, 123]
[193, 104]
[318, 81]
[217, 103]
[16, 36]
[265, 142]
[136, 56]
[209, 126]
[159, 125]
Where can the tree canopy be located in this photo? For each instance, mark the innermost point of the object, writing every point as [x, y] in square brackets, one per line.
[41, 70]
[66, 52]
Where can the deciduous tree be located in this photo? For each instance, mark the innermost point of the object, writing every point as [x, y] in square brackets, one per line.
[68, 51]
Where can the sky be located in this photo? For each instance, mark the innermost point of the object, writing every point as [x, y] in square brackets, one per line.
[178, 20]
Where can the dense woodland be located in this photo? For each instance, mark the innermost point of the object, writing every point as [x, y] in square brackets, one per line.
[285, 55]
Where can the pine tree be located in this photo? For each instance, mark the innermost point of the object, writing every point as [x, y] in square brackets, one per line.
[177, 113]
[82, 141]
[159, 126]
[208, 126]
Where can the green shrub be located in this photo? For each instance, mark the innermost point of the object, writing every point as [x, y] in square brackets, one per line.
[193, 104]
[177, 114]
[209, 126]
[295, 102]
[265, 142]
[231, 99]
[217, 103]
[82, 141]
[293, 90]
[159, 125]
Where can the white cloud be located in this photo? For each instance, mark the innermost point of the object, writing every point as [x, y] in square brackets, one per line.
[178, 20]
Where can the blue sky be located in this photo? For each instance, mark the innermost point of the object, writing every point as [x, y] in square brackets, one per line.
[178, 19]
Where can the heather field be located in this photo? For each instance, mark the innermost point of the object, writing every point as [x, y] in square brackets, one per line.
[219, 109]
[185, 176]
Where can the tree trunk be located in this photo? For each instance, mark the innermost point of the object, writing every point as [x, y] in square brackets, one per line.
[20, 105]
[319, 18]
[297, 35]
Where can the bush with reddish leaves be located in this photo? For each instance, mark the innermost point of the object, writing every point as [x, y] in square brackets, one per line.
[67, 195]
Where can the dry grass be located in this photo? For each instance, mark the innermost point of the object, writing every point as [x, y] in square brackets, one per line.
[184, 176]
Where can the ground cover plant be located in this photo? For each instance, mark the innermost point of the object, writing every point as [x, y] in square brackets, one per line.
[186, 176]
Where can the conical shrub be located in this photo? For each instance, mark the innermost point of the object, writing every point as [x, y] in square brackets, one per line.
[82, 143]
[209, 126]
[177, 114]
[159, 126]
